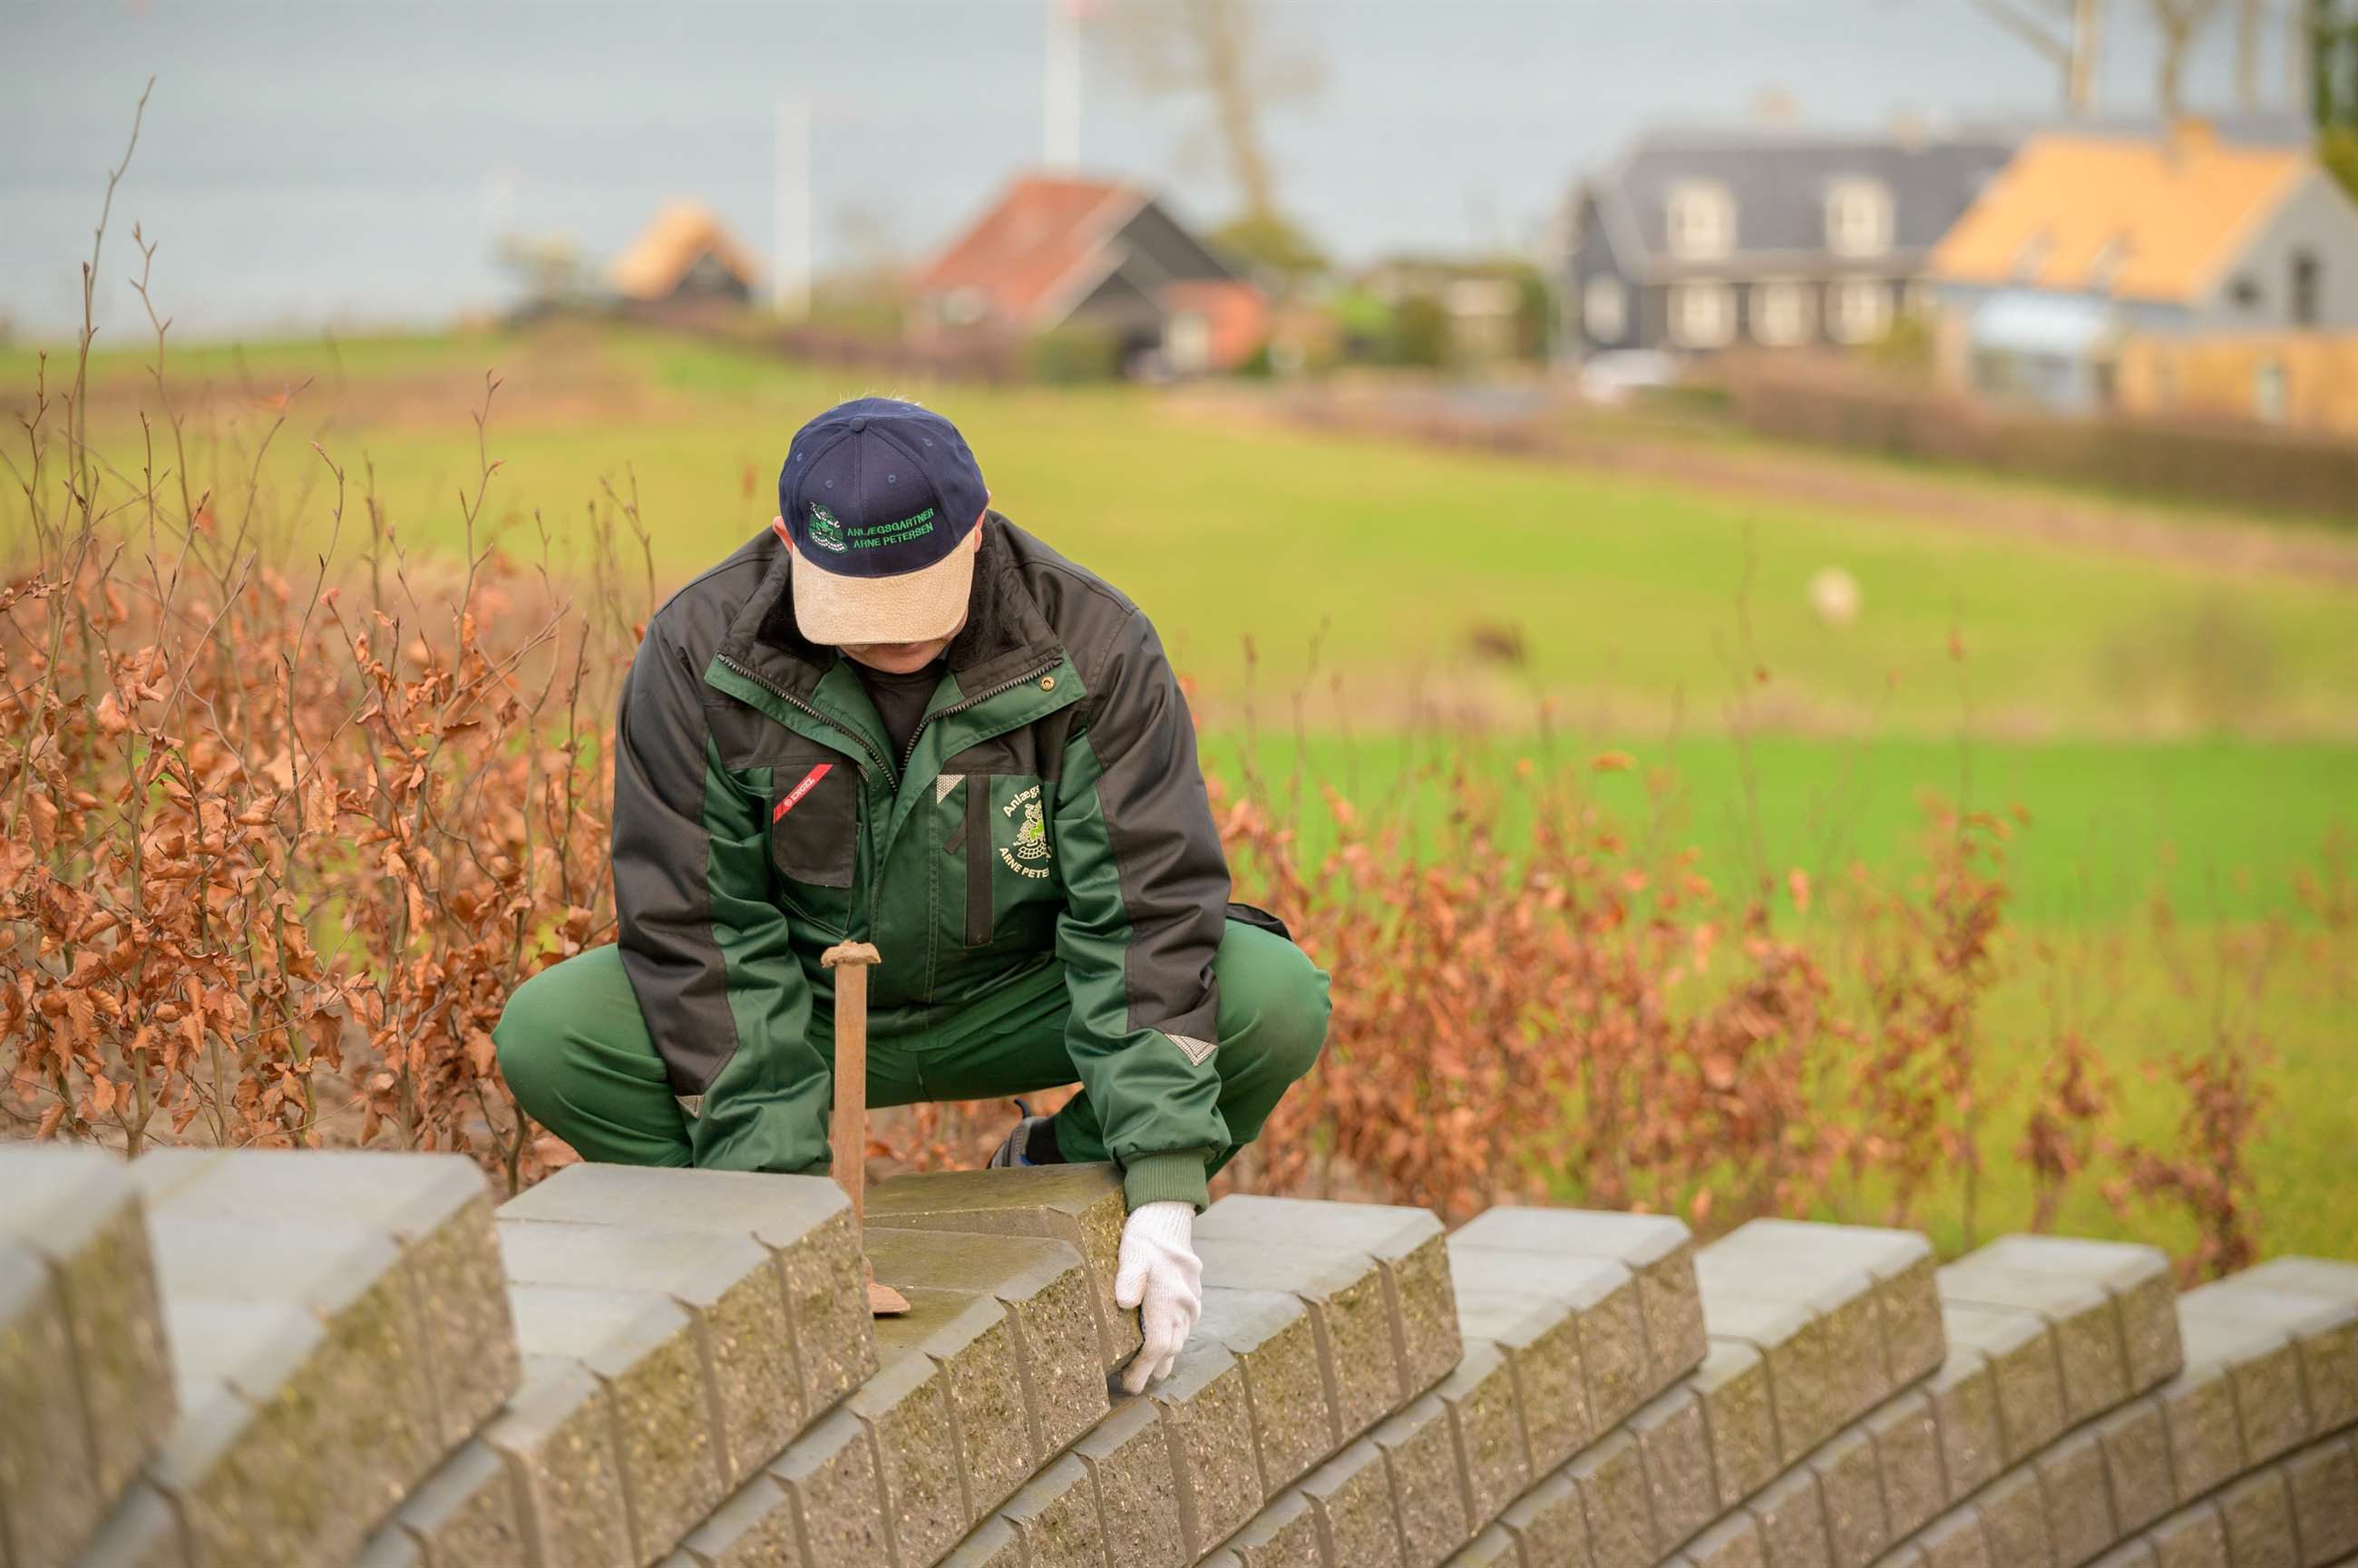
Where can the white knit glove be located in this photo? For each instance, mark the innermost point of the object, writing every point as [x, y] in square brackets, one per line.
[1159, 1273]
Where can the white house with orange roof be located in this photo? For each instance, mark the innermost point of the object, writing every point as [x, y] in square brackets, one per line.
[2084, 241]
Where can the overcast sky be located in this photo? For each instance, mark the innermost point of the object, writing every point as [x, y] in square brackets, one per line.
[348, 162]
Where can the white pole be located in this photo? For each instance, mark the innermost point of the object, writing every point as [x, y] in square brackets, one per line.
[1061, 96]
[790, 266]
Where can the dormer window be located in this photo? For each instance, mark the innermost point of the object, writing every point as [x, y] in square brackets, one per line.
[1701, 220]
[1858, 218]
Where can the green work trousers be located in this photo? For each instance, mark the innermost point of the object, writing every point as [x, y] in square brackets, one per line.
[576, 1051]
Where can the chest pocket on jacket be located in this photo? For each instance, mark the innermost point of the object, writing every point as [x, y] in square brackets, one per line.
[1000, 832]
[814, 836]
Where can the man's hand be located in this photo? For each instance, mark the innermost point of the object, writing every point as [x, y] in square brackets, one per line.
[1160, 1274]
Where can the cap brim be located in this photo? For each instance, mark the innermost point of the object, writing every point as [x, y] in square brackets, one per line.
[915, 607]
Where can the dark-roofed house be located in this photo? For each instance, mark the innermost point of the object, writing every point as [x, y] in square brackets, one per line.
[1051, 251]
[1697, 240]
[685, 256]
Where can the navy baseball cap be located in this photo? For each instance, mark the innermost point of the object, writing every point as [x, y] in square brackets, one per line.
[880, 500]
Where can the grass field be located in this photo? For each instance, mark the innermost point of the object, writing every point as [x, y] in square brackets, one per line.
[2167, 724]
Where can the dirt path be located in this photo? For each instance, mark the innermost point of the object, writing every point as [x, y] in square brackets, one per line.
[1617, 444]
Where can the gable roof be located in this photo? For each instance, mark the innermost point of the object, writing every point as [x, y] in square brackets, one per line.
[682, 233]
[2158, 217]
[1779, 181]
[1040, 243]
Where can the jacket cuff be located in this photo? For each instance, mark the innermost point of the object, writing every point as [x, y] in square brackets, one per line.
[1166, 1178]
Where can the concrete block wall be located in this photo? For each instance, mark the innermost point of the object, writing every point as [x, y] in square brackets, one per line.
[624, 1369]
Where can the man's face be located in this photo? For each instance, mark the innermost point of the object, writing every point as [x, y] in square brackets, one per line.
[897, 658]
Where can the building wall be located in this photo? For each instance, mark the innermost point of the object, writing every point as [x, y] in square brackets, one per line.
[2305, 379]
[2319, 219]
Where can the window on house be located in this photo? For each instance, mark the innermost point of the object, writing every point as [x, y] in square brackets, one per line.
[2268, 392]
[2306, 277]
[1780, 313]
[1703, 315]
[1604, 310]
[1861, 309]
[1187, 342]
[2244, 291]
[1858, 218]
[1701, 220]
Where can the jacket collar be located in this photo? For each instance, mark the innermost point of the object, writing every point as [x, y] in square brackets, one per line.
[1005, 633]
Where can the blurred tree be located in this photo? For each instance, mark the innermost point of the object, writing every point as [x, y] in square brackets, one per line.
[2180, 22]
[1273, 245]
[1420, 334]
[2069, 34]
[2331, 28]
[1223, 50]
[551, 272]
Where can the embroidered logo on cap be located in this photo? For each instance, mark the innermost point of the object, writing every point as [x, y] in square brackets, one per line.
[825, 531]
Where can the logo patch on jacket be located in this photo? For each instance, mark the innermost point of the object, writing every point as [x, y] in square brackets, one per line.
[794, 797]
[1030, 854]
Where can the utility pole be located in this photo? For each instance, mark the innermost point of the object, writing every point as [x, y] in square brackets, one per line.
[1061, 87]
[790, 263]
[2087, 53]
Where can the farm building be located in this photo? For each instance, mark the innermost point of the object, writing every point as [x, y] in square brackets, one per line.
[1697, 240]
[685, 255]
[2085, 241]
[1054, 253]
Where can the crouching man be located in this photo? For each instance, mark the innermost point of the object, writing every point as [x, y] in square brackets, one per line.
[898, 718]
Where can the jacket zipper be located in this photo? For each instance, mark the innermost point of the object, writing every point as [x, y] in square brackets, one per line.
[791, 700]
[966, 702]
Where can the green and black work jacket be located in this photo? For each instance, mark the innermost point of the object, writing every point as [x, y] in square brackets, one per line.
[1048, 809]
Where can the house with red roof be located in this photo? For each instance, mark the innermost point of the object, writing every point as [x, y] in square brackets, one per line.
[1053, 252]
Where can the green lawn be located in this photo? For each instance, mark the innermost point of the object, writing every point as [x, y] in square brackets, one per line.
[2165, 725]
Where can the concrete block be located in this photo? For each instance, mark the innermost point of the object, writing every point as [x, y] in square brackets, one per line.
[1542, 1345]
[2198, 1407]
[752, 1528]
[2136, 1441]
[970, 1338]
[141, 1532]
[1548, 1523]
[1128, 1459]
[1406, 1242]
[1612, 1482]
[1655, 1248]
[905, 1408]
[556, 1439]
[1908, 1450]
[1733, 1542]
[1345, 1292]
[1600, 1295]
[1848, 1328]
[1850, 1485]
[465, 1515]
[1957, 1541]
[804, 1221]
[1351, 1496]
[1079, 1205]
[1898, 1261]
[2014, 1517]
[2261, 1361]
[1674, 1446]
[1275, 1340]
[1733, 1383]
[1048, 1298]
[1428, 1490]
[1792, 1521]
[2322, 1325]
[1282, 1535]
[2323, 1478]
[994, 1545]
[733, 1296]
[1487, 1430]
[1493, 1548]
[2083, 1318]
[2137, 1278]
[642, 1350]
[834, 1490]
[1791, 1342]
[2080, 1522]
[2191, 1538]
[2134, 1554]
[50, 1500]
[1056, 1519]
[2020, 1350]
[2257, 1513]
[80, 1214]
[1206, 1418]
[1965, 1406]
[436, 1211]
